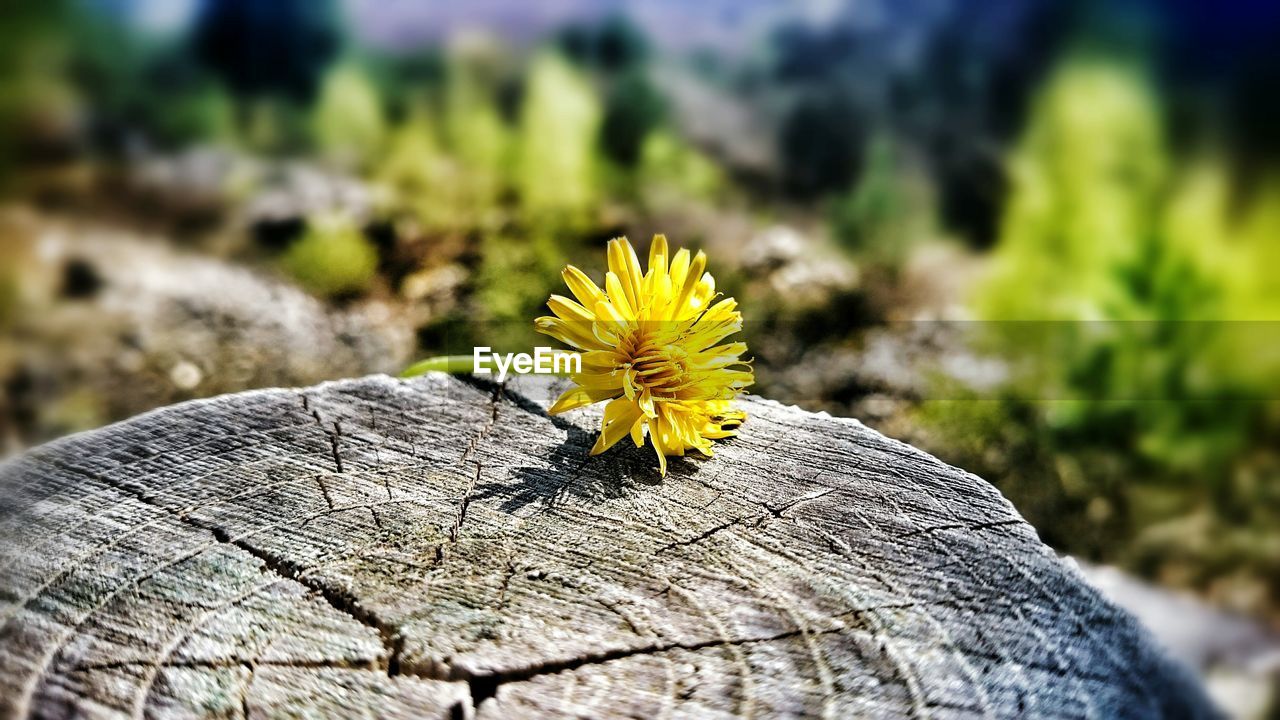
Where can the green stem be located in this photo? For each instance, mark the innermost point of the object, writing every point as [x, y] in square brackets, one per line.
[452, 364]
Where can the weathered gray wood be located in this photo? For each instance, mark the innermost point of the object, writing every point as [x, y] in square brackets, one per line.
[439, 546]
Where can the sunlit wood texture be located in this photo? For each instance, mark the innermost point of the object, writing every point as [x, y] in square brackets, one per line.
[441, 547]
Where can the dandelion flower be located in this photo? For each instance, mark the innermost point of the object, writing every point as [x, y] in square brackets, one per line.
[651, 344]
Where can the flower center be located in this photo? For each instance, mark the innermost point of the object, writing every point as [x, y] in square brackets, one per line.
[660, 366]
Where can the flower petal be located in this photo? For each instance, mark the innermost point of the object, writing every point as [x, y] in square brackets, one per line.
[624, 263]
[581, 286]
[576, 398]
[619, 415]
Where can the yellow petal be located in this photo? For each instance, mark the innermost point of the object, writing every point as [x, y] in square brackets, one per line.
[601, 359]
[655, 436]
[624, 263]
[581, 286]
[609, 313]
[658, 253]
[646, 403]
[567, 309]
[629, 384]
[619, 296]
[684, 306]
[619, 415]
[576, 398]
[595, 380]
[570, 333]
[679, 268]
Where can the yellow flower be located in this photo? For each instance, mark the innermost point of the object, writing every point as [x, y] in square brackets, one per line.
[649, 345]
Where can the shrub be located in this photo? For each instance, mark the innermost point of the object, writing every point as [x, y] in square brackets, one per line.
[332, 259]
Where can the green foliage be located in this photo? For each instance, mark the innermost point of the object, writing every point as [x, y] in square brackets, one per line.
[348, 123]
[614, 45]
[405, 79]
[1094, 233]
[634, 108]
[513, 282]
[448, 164]
[433, 186]
[668, 164]
[67, 62]
[1255, 295]
[34, 92]
[474, 128]
[1133, 406]
[274, 126]
[203, 113]
[820, 143]
[332, 259]
[556, 163]
[1086, 179]
[413, 150]
[889, 210]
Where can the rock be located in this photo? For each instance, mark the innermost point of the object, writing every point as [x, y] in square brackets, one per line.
[157, 326]
[798, 270]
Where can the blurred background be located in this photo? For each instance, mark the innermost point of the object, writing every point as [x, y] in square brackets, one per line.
[1038, 239]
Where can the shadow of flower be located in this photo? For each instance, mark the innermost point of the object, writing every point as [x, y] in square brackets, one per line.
[572, 472]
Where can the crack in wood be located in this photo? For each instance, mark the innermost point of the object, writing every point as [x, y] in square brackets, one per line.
[333, 435]
[333, 443]
[464, 504]
[509, 573]
[338, 598]
[252, 667]
[962, 526]
[485, 429]
[777, 511]
[484, 685]
[708, 533]
[324, 490]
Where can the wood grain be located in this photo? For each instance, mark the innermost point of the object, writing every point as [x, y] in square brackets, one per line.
[442, 548]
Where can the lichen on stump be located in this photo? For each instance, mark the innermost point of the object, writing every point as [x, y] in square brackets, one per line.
[441, 547]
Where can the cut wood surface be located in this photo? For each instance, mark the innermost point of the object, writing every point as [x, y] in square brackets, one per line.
[442, 548]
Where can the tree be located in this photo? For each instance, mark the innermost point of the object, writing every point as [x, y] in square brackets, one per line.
[559, 128]
[266, 48]
[348, 124]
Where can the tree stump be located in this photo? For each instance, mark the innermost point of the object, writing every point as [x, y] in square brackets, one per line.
[441, 547]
